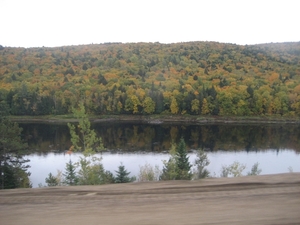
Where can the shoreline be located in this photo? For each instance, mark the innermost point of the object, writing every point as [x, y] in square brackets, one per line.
[159, 119]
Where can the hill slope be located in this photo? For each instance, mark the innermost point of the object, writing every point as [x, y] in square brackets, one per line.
[201, 78]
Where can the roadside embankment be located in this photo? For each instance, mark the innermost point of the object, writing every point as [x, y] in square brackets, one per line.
[266, 199]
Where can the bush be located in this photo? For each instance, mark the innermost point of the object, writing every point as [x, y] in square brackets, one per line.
[235, 170]
[254, 170]
[52, 180]
[148, 173]
[201, 162]
[92, 172]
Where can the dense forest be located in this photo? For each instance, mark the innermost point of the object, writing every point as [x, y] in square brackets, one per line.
[197, 78]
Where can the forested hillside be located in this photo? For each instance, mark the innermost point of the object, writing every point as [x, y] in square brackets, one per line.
[199, 78]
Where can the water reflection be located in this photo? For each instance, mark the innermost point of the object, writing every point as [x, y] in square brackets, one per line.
[275, 147]
[158, 138]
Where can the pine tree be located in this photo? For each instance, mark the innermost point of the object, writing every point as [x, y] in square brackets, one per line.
[182, 162]
[13, 168]
[51, 180]
[169, 171]
[122, 175]
[178, 166]
[15, 177]
[70, 175]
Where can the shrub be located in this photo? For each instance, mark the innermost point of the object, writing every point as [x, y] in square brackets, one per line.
[148, 173]
[235, 170]
[52, 180]
[201, 162]
[254, 170]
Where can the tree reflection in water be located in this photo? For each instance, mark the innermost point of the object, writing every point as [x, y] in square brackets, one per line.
[128, 137]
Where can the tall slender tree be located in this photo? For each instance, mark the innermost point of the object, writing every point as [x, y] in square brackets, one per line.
[13, 167]
[169, 171]
[201, 162]
[70, 176]
[83, 138]
[182, 162]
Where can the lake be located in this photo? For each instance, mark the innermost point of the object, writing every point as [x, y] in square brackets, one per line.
[275, 147]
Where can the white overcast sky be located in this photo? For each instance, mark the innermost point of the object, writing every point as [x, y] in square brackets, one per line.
[35, 23]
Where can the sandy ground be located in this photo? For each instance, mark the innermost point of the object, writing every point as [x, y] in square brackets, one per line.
[268, 199]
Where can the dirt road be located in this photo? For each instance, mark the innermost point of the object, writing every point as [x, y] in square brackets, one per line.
[269, 199]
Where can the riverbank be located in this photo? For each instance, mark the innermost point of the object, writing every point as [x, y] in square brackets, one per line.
[159, 119]
[266, 199]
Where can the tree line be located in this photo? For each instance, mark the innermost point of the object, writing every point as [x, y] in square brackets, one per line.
[197, 78]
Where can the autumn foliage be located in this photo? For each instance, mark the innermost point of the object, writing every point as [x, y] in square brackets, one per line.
[198, 78]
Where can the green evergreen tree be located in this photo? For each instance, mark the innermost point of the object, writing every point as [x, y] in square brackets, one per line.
[178, 166]
[51, 180]
[15, 177]
[70, 174]
[169, 171]
[122, 175]
[182, 162]
[13, 168]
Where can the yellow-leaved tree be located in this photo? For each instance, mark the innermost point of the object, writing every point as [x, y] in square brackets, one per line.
[195, 106]
[174, 106]
[148, 105]
[205, 109]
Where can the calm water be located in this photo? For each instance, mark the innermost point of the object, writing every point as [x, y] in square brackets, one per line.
[275, 147]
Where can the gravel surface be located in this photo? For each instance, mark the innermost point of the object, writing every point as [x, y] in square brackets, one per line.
[266, 199]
